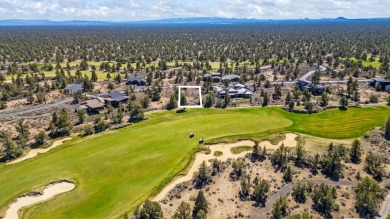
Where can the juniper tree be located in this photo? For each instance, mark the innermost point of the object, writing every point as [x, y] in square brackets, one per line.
[261, 190]
[299, 192]
[201, 204]
[387, 128]
[287, 175]
[369, 196]
[183, 211]
[356, 152]
[280, 208]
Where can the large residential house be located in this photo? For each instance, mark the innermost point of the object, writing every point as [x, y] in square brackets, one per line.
[114, 98]
[380, 83]
[237, 91]
[92, 106]
[215, 77]
[314, 89]
[138, 81]
[231, 78]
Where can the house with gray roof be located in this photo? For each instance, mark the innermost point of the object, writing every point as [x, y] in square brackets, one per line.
[114, 98]
[138, 81]
[237, 91]
[231, 78]
[215, 77]
[379, 83]
[92, 106]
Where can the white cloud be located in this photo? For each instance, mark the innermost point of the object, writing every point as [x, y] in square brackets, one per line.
[122, 10]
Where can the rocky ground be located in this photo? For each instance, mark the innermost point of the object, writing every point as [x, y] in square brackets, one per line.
[223, 194]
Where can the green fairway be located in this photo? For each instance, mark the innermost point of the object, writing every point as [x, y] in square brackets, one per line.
[117, 170]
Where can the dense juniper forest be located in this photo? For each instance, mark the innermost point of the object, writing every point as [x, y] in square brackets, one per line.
[258, 44]
[37, 107]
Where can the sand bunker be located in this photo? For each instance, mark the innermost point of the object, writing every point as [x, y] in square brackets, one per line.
[288, 142]
[34, 152]
[225, 149]
[50, 191]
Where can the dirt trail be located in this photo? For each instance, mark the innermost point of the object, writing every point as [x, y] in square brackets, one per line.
[225, 149]
[50, 191]
[34, 152]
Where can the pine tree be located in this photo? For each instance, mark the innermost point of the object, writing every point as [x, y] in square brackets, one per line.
[209, 101]
[300, 155]
[324, 99]
[149, 210]
[10, 148]
[374, 166]
[172, 103]
[183, 211]
[368, 197]
[356, 152]
[287, 175]
[200, 203]
[387, 128]
[324, 197]
[265, 99]
[280, 208]
[183, 100]
[23, 129]
[261, 190]
[203, 177]
[331, 164]
[245, 187]
[299, 192]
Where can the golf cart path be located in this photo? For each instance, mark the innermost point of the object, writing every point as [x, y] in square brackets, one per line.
[385, 208]
[225, 149]
[50, 191]
[48, 106]
[308, 74]
[34, 152]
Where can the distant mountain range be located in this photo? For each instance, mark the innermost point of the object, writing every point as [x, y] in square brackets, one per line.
[180, 21]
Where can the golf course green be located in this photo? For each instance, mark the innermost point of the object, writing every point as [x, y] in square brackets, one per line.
[117, 170]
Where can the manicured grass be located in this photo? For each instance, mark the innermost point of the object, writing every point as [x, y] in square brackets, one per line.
[376, 64]
[117, 170]
[239, 149]
[218, 153]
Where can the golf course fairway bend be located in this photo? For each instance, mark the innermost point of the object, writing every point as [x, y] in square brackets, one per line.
[117, 170]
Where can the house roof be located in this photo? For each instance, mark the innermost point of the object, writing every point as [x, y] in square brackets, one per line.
[319, 86]
[116, 95]
[214, 74]
[230, 77]
[381, 80]
[232, 90]
[74, 87]
[136, 79]
[238, 85]
[94, 104]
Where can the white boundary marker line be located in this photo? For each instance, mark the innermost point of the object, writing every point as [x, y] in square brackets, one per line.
[200, 97]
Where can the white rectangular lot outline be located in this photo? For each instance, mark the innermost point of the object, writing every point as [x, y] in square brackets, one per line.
[200, 96]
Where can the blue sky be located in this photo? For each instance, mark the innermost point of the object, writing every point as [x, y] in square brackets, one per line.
[132, 10]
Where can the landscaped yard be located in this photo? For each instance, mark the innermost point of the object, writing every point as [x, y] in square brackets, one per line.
[117, 170]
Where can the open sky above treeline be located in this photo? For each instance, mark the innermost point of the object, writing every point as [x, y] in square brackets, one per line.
[139, 10]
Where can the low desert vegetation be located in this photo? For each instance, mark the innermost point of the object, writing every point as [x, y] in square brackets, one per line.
[116, 154]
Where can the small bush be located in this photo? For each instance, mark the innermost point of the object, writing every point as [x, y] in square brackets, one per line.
[89, 130]
[218, 153]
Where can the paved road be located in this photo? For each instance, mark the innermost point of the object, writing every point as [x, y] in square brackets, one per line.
[48, 106]
[304, 77]
[385, 208]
